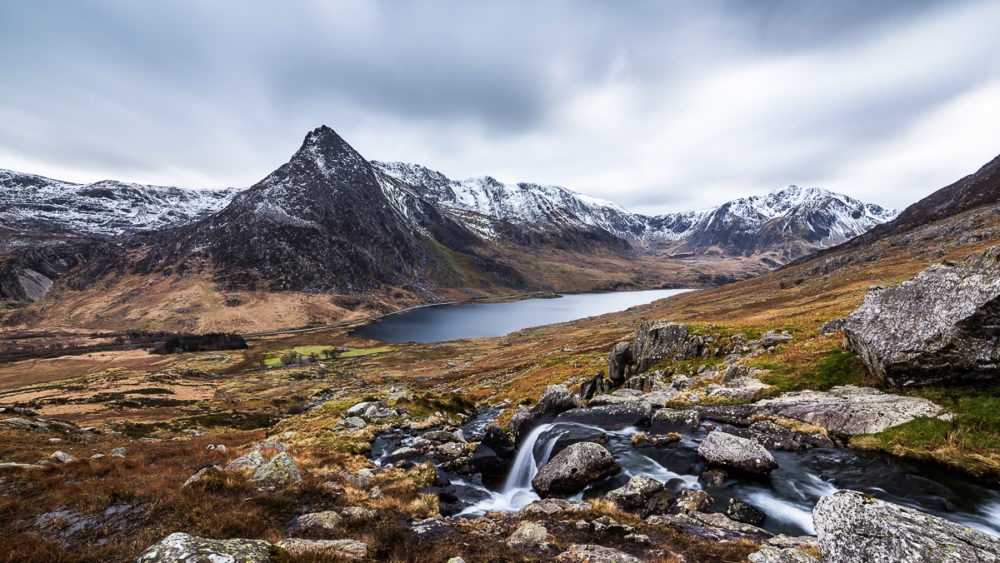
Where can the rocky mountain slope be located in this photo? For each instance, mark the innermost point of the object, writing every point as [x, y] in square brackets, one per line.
[105, 208]
[799, 219]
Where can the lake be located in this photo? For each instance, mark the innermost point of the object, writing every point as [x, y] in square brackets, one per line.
[479, 320]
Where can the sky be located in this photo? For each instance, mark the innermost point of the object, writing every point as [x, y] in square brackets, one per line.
[659, 106]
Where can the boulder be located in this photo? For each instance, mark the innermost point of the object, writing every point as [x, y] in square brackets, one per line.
[252, 460]
[773, 436]
[529, 534]
[204, 475]
[665, 421]
[853, 527]
[585, 553]
[557, 398]
[492, 467]
[730, 414]
[691, 500]
[942, 326]
[711, 526]
[185, 548]
[281, 471]
[574, 468]
[656, 341]
[550, 506]
[744, 512]
[727, 450]
[498, 440]
[442, 437]
[775, 555]
[773, 338]
[635, 493]
[350, 550]
[63, 457]
[353, 423]
[610, 417]
[315, 522]
[849, 410]
[118, 452]
[402, 453]
[618, 363]
[593, 386]
[436, 527]
[712, 478]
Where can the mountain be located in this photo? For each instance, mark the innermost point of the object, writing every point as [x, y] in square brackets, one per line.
[105, 208]
[796, 220]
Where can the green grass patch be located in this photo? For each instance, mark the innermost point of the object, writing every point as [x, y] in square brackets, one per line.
[837, 367]
[273, 359]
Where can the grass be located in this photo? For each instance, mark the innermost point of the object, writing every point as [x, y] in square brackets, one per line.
[818, 364]
[968, 442]
[273, 359]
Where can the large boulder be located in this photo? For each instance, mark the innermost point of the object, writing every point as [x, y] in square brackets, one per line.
[734, 452]
[619, 362]
[853, 527]
[184, 548]
[635, 493]
[656, 341]
[557, 398]
[574, 468]
[281, 471]
[610, 417]
[665, 421]
[941, 326]
[849, 410]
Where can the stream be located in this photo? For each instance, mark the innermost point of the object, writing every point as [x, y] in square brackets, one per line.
[787, 496]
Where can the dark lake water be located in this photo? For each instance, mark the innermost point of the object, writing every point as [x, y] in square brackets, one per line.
[478, 320]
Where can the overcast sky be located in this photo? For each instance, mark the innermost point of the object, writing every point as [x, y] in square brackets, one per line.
[659, 106]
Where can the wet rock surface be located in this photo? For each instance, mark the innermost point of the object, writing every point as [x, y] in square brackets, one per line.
[853, 527]
[941, 326]
[557, 398]
[572, 469]
[610, 417]
[733, 452]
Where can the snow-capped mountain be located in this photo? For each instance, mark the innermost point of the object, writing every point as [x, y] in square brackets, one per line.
[108, 207]
[812, 216]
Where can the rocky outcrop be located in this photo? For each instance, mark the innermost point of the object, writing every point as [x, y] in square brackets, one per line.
[786, 555]
[849, 410]
[350, 550]
[557, 398]
[656, 341]
[853, 527]
[619, 362]
[733, 452]
[186, 548]
[665, 421]
[610, 417]
[773, 436]
[941, 326]
[711, 526]
[281, 471]
[574, 468]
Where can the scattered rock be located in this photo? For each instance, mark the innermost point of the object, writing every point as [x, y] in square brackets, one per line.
[618, 363]
[572, 469]
[744, 512]
[610, 417]
[187, 548]
[787, 555]
[343, 549]
[376, 493]
[252, 460]
[358, 513]
[853, 527]
[773, 436]
[353, 423]
[118, 452]
[552, 506]
[773, 338]
[691, 500]
[529, 534]
[63, 457]
[203, 475]
[433, 528]
[711, 526]
[281, 471]
[326, 520]
[733, 452]
[636, 492]
[942, 326]
[579, 553]
[665, 421]
[830, 327]
[557, 398]
[276, 446]
[403, 453]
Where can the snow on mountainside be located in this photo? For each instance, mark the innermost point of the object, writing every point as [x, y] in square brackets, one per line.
[814, 216]
[108, 207]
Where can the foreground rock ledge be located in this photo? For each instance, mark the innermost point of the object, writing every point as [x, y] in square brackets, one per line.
[853, 527]
[733, 452]
[191, 549]
[941, 326]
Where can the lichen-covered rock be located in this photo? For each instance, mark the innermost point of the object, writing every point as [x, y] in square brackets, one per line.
[585, 553]
[634, 494]
[315, 521]
[574, 468]
[773, 338]
[252, 460]
[351, 550]
[281, 471]
[184, 548]
[63, 457]
[656, 341]
[551, 506]
[773, 436]
[556, 399]
[775, 555]
[610, 417]
[691, 500]
[853, 527]
[849, 410]
[710, 526]
[744, 512]
[204, 475]
[528, 534]
[941, 326]
[730, 451]
[619, 361]
[665, 421]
